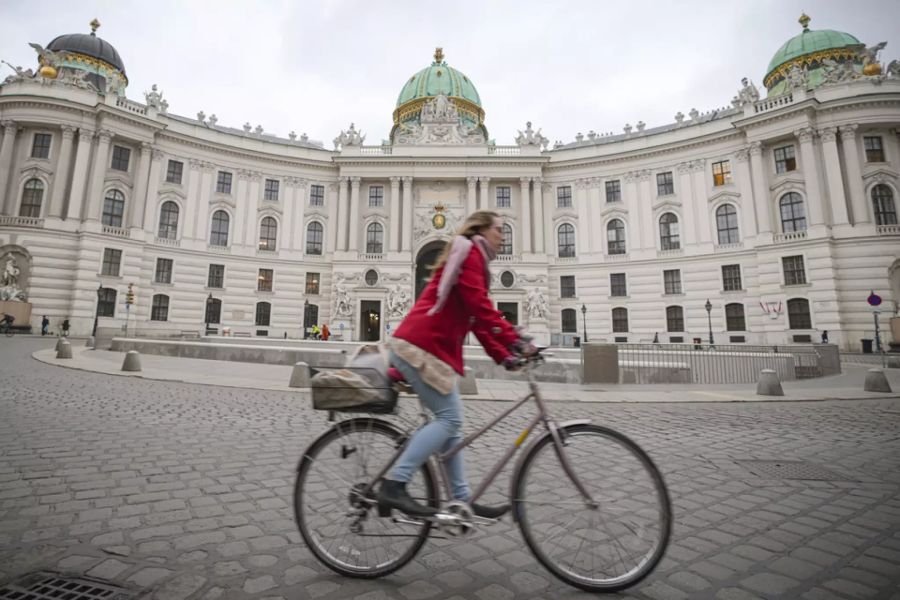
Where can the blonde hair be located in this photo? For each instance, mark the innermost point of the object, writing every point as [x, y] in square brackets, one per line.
[474, 224]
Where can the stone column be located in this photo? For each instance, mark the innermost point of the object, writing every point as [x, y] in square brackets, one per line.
[648, 225]
[811, 175]
[140, 185]
[839, 213]
[471, 198]
[394, 224]
[583, 229]
[80, 174]
[7, 201]
[406, 228]
[244, 221]
[344, 212]
[547, 224]
[333, 206]
[205, 185]
[525, 214]
[252, 199]
[859, 209]
[484, 201]
[594, 207]
[633, 226]
[354, 214]
[761, 198]
[742, 173]
[538, 216]
[61, 178]
[98, 173]
[686, 191]
[699, 182]
[297, 215]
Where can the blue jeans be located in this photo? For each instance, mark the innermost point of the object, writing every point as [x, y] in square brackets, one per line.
[439, 435]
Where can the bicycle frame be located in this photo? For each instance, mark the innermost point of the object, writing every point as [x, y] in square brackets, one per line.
[542, 416]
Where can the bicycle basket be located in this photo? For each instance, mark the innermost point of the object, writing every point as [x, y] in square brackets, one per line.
[353, 389]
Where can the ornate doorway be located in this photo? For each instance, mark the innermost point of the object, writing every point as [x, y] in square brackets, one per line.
[370, 320]
[427, 256]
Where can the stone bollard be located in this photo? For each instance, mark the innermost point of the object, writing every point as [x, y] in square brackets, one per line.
[768, 384]
[59, 343]
[876, 381]
[65, 350]
[300, 375]
[132, 361]
[90, 342]
[467, 385]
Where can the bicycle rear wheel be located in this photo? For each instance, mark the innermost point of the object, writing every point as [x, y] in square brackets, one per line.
[614, 543]
[340, 523]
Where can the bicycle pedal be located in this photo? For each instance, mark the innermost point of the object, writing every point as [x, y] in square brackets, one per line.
[384, 511]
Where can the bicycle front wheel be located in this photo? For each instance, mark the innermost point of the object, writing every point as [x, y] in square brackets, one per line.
[607, 545]
[339, 520]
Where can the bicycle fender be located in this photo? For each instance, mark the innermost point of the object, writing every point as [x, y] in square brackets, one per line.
[530, 447]
[345, 423]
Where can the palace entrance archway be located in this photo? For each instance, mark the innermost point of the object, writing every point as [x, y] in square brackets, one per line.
[427, 256]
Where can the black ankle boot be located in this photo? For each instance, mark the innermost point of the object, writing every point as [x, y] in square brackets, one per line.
[490, 512]
[393, 494]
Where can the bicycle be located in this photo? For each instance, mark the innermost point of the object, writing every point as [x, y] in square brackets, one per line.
[589, 502]
[7, 329]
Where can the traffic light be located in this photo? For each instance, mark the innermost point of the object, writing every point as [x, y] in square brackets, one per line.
[129, 295]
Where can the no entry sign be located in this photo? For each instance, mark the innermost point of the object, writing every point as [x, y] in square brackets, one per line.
[873, 299]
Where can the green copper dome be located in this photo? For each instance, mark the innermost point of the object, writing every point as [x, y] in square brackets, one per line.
[438, 78]
[809, 49]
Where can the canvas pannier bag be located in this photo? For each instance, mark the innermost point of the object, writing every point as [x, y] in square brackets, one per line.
[361, 386]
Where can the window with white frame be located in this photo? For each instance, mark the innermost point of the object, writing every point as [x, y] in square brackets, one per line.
[316, 195]
[174, 171]
[216, 277]
[271, 190]
[734, 317]
[506, 245]
[120, 158]
[566, 240]
[504, 196]
[268, 234]
[569, 320]
[223, 182]
[794, 272]
[620, 320]
[727, 224]
[613, 191]
[618, 286]
[32, 198]
[615, 237]
[218, 234]
[564, 196]
[567, 286]
[112, 259]
[163, 272]
[168, 221]
[882, 205]
[376, 196]
[674, 319]
[375, 238]
[672, 281]
[669, 235]
[314, 235]
[665, 185]
[113, 208]
[798, 314]
[159, 308]
[785, 159]
[793, 215]
[40, 145]
[731, 278]
[721, 172]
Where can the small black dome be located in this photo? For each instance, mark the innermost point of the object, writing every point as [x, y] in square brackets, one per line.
[88, 44]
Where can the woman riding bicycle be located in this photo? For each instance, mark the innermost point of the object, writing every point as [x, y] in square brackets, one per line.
[427, 349]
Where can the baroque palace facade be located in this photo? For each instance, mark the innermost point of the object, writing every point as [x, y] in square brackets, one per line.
[767, 221]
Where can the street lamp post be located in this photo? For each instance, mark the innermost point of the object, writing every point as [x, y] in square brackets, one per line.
[305, 316]
[584, 323]
[708, 307]
[209, 301]
[97, 311]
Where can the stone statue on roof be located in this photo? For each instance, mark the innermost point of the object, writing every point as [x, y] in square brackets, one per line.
[870, 54]
[530, 137]
[748, 94]
[796, 78]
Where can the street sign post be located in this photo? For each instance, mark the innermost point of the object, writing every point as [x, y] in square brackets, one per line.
[874, 300]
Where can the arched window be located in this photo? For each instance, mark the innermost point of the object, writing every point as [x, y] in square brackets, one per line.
[620, 320]
[213, 311]
[882, 203]
[32, 196]
[734, 317]
[669, 237]
[218, 235]
[159, 309]
[314, 234]
[798, 314]
[566, 240]
[113, 208]
[168, 221]
[268, 232]
[615, 237]
[674, 318]
[374, 238]
[726, 224]
[106, 302]
[506, 246]
[263, 314]
[793, 215]
[569, 321]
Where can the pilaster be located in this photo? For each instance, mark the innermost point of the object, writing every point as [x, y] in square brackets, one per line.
[80, 174]
[61, 177]
[761, 198]
[811, 176]
[98, 174]
[354, 214]
[538, 205]
[7, 200]
[525, 213]
[859, 210]
[839, 212]
[140, 185]
[394, 217]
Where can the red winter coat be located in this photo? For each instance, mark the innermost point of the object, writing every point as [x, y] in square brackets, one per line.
[468, 308]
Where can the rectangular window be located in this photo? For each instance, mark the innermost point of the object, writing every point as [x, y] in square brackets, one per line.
[120, 158]
[317, 195]
[874, 148]
[731, 278]
[264, 281]
[567, 286]
[263, 314]
[40, 147]
[159, 309]
[106, 303]
[174, 172]
[613, 191]
[664, 184]
[620, 321]
[721, 172]
[223, 182]
[312, 284]
[672, 281]
[785, 159]
[111, 260]
[674, 319]
[163, 270]
[216, 277]
[569, 321]
[734, 317]
[564, 196]
[794, 273]
[503, 197]
[376, 196]
[617, 285]
[271, 191]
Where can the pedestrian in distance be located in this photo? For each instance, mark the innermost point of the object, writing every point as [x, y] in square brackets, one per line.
[825, 336]
[45, 325]
[65, 327]
[325, 332]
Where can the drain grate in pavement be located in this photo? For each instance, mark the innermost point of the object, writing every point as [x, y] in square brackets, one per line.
[50, 586]
[790, 469]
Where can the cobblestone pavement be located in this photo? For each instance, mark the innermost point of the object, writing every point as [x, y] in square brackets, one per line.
[185, 491]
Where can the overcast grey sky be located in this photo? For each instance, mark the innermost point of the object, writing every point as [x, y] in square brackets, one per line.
[568, 66]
